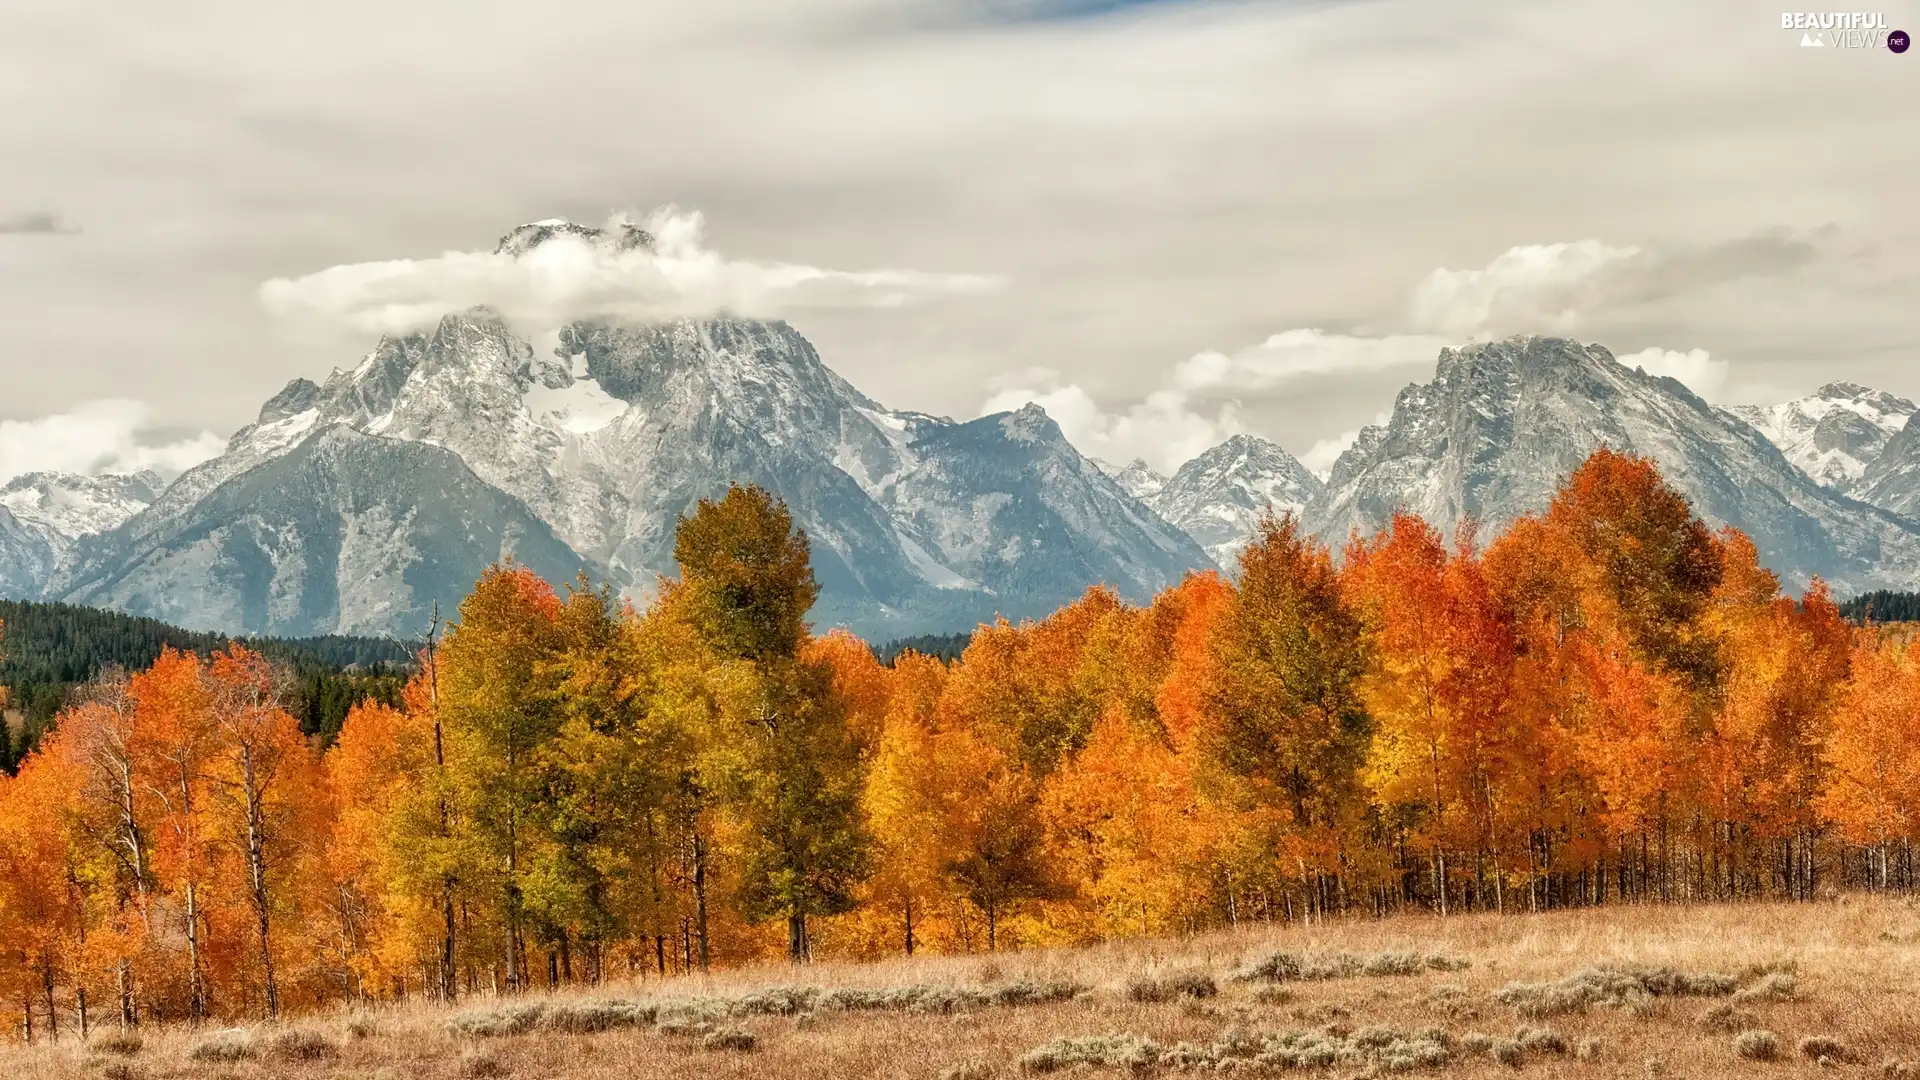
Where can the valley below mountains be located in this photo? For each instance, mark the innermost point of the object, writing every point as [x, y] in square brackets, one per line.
[355, 504]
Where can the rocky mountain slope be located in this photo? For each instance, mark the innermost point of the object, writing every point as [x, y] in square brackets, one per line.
[43, 514]
[579, 446]
[1503, 422]
[1218, 497]
[1834, 433]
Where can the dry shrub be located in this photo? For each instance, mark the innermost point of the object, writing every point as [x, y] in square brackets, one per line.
[1725, 1018]
[362, 1025]
[733, 1039]
[1379, 1049]
[1757, 1045]
[1617, 987]
[1292, 967]
[967, 1070]
[229, 1045]
[1273, 995]
[1589, 1048]
[1160, 988]
[482, 1064]
[124, 1042]
[302, 1044]
[121, 1070]
[497, 1021]
[1824, 1049]
[1896, 1069]
[1776, 986]
[1509, 1053]
[1544, 1040]
[1476, 1042]
[1322, 1013]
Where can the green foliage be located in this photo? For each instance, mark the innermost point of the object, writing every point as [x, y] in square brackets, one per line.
[1291, 655]
[747, 575]
[1882, 606]
[50, 648]
[945, 648]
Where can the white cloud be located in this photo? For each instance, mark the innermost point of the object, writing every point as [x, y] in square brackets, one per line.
[1538, 285]
[1186, 415]
[1320, 457]
[570, 277]
[1165, 428]
[1701, 373]
[111, 435]
[1294, 354]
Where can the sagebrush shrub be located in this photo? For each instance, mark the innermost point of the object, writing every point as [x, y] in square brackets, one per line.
[230, 1045]
[1167, 987]
[1757, 1045]
[302, 1044]
[733, 1039]
[1823, 1048]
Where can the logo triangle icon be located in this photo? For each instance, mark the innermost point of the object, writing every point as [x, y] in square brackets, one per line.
[1811, 41]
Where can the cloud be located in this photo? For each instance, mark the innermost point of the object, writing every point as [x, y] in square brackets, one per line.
[110, 435]
[1165, 428]
[1534, 283]
[1195, 408]
[1701, 373]
[1560, 288]
[569, 277]
[1320, 457]
[1295, 354]
[35, 223]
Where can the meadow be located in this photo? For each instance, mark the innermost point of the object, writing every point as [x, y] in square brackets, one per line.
[1781, 989]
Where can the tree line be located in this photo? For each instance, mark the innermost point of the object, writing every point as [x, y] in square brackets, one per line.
[53, 647]
[1607, 703]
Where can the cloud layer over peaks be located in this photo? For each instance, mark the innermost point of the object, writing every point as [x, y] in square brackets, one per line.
[115, 435]
[569, 276]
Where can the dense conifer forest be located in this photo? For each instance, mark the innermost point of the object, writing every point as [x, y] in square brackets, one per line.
[47, 649]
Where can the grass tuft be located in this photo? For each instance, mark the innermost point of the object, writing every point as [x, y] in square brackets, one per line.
[122, 1041]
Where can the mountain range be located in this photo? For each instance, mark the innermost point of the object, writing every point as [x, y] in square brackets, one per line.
[356, 504]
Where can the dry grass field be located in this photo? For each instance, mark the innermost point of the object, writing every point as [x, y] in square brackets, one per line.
[1624, 992]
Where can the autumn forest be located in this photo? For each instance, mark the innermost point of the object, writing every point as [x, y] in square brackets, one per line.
[1606, 703]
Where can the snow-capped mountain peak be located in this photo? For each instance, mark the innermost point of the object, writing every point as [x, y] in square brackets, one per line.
[1218, 497]
[1138, 479]
[74, 506]
[1504, 422]
[618, 237]
[1834, 433]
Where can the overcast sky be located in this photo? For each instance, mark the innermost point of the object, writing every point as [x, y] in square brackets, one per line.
[1166, 221]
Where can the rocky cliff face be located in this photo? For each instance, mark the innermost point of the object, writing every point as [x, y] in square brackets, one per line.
[1502, 423]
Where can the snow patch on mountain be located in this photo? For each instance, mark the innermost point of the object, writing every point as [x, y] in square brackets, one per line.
[1834, 433]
